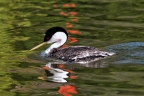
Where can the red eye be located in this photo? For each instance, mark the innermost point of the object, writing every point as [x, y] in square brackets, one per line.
[47, 38]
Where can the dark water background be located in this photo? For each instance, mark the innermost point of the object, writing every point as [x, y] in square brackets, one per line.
[112, 25]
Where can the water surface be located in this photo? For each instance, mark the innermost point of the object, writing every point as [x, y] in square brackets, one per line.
[112, 25]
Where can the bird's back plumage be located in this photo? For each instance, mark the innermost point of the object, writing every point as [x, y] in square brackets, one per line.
[79, 54]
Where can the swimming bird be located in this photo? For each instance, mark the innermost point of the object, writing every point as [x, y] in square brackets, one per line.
[75, 54]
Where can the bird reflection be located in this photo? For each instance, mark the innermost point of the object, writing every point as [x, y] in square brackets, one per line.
[57, 73]
[60, 72]
[97, 64]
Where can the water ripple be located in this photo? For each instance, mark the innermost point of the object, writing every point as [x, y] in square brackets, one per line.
[129, 52]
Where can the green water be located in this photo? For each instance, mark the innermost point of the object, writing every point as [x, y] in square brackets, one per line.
[114, 25]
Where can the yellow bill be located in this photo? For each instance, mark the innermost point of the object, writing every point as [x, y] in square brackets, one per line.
[38, 46]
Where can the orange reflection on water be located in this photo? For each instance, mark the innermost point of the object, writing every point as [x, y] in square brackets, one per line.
[55, 5]
[69, 5]
[73, 13]
[74, 19]
[66, 5]
[69, 25]
[66, 14]
[72, 40]
[63, 13]
[73, 77]
[74, 31]
[45, 68]
[67, 90]
[61, 66]
[73, 5]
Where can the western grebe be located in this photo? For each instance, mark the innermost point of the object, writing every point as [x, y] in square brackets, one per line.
[76, 54]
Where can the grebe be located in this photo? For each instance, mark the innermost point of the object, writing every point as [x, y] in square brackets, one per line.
[75, 54]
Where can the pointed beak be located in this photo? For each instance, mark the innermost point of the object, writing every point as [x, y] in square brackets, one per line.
[38, 46]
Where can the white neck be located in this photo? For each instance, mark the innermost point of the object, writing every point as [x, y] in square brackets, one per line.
[58, 39]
